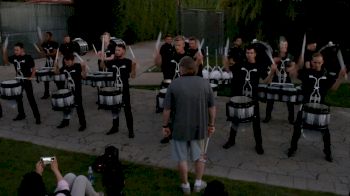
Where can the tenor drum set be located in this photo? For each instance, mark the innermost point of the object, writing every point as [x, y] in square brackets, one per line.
[10, 89]
[80, 46]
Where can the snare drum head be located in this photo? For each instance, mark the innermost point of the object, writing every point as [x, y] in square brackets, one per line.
[316, 107]
[167, 81]
[163, 90]
[62, 91]
[240, 99]
[109, 89]
[10, 82]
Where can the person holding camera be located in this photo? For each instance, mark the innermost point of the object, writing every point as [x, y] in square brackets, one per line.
[32, 183]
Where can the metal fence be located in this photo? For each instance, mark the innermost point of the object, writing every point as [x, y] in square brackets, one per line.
[19, 21]
[204, 24]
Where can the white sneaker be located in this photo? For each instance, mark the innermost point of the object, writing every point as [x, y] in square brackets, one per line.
[186, 190]
[198, 189]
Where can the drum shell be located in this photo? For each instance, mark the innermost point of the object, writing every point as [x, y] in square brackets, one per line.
[316, 115]
[80, 46]
[262, 88]
[62, 99]
[165, 83]
[160, 98]
[10, 89]
[214, 87]
[240, 109]
[59, 77]
[102, 79]
[289, 95]
[44, 75]
[109, 98]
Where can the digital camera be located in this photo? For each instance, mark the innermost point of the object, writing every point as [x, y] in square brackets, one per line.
[47, 160]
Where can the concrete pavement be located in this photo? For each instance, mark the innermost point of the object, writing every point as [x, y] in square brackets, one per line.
[307, 170]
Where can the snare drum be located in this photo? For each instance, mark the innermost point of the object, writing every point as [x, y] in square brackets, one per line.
[10, 89]
[289, 94]
[44, 75]
[88, 80]
[215, 89]
[102, 79]
[262, 88]
[80, 46]
[59, 77]
[62, 99]
[316, 115]
[300, 95]
[285, 92]
[109, 98]
[166, 83]
[160, 98]
[240, 108]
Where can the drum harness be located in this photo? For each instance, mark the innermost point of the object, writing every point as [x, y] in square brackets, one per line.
[247, 87]
[49, 60]
[118, 83]
[70, 82]
[18, 65]
[315, 96]
[177, 69]
[281, 73]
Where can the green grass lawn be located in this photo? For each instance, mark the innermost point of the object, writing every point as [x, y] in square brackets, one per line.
[17, 158]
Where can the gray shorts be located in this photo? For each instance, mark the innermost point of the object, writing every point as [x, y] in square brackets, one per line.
[182, 149]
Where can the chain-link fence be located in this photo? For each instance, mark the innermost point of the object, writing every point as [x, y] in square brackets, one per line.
[19, 22]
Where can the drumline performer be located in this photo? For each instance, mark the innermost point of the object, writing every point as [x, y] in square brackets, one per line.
[107, 52]
[285, 62]
[75, 72]
[66, 48]
[25, 68]
[315, 76]
[254, 71]
[127, 69]
[164, 57]
[193, 49]
[49, 47]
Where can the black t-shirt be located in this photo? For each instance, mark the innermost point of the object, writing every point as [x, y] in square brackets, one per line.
[239, 75]
[192, 53]
[26, 64]
[75, 72]
[286, 60]
[49, 46]
[109, 51]
[67, 48]
[124, 72]
[309, 83]
[166, 51]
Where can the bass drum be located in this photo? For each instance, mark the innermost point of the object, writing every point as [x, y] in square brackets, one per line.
[80, 46]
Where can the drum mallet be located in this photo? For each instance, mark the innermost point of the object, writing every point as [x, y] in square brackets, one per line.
[6, 42]
[341, 62]
[93, 46]
[40, 35]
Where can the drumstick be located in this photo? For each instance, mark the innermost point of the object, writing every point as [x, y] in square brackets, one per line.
[24, 78]
[103, 47]
[78, 56]
[200, 45]
[158, 40]
[40, 35]
[132, 53]
[227, 46]
[206, 145]
[341, 62]
[37, 48]
[93, 46]
[56, 58]
[6, 42]
[303, 47]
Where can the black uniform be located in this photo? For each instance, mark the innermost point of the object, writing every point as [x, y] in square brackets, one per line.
[177, 57]
[49, 46]
[237, 88]
[192, 53]
[307, 90]
[168, 68]
[26, 64]
[75, 73]
[108, 52]
[125, 75]
[270, 103]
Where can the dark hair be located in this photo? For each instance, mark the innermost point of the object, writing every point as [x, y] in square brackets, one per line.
[32, 184]
[168, 35]
[49, 33]
[189, 65]
[192, 38]
[68, 57]
[120, 46]
[250, 46]
[19, 44]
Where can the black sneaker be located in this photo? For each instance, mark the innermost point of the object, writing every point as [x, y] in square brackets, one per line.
[131, 135]
[267, 119]
[19, 117]
[63, 124]
[228, 144]
[291, 152]
[112, 131]
[259, 149]
[328, 157]
[82, 128]
[38, 121]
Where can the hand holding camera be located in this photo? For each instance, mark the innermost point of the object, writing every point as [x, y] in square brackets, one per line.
[47, 160]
